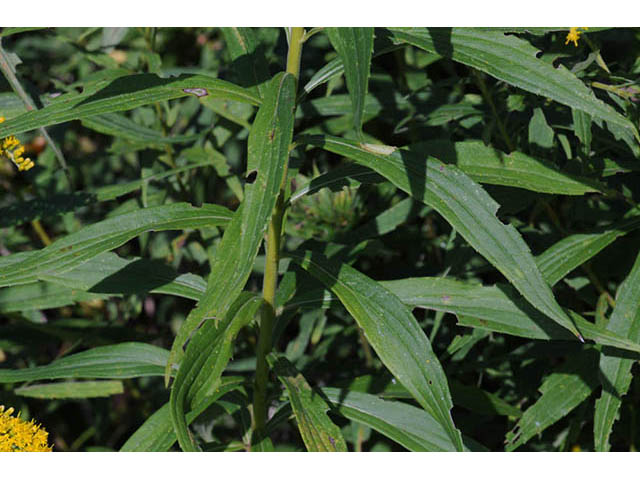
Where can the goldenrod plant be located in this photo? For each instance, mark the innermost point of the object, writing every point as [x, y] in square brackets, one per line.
[320, 239]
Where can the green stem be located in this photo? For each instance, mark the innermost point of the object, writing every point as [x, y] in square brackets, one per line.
[7, 71]
[270, 283]
[489, 100]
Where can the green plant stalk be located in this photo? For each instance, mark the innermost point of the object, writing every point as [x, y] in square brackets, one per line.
[270, 282]
[487, 96]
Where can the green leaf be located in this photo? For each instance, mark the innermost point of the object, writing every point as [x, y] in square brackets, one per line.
[512, 60]
[562, 391]
[413, 428]
[540, 133]
[206, 357]
[335, 67]
[249, 60]
[156, 434]
[488, 165]
[582, 129]
[57, 204]
[615, 370]
[318, 432]
[355, 47]
[108, 274]
[350, 175]
[497, 308]
[465, 205]
[472, 398]
[393, 333]
[268, 152]
[41, 295]
[73, 250]
[120, 126]
[124, 93]
[124, 360]
[562, 257]
[7, 31]
[72, 389]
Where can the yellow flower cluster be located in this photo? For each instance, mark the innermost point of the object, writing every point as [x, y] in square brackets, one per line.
[574, 35]
[16, 435]
[11, 149]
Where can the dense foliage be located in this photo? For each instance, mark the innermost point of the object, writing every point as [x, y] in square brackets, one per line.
[324, 239]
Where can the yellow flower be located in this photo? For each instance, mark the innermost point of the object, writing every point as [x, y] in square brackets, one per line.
[11, 149]
[574, 35]
[16, 435]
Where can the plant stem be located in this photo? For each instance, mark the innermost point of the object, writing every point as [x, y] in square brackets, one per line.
[41, 232]
[270, 283]
[7, 71]
[489, 100]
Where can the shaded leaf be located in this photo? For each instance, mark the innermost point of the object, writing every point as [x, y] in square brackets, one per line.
[268, 152]
[74, 249]
[615, 371]
[120, 126]
[512, 60]
[562, 391]
[204, 361]
[411, 427]
[156, 434]
[124, 93]
[465, 205]
[20, 212]
[497, 308]
[491, 166]
[355, 47]
[318, 432]
[393, 333]
[41, 295]
[249, 61]
[562, 257]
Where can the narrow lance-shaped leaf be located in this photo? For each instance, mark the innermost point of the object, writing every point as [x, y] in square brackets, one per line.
[562, 257]
[335, 67]
[249, 63]
[465, 205]
[108, 274]
[562, 391]
[41, 295]
[204, 361]
[393, 333]
[615, 370]
[318, 432]
[57, 204]
[413, 428]
[124, 93]
[156, 434]
[72, 389]
[74, 249]
[512, 60]
[470, 397]
[125, 360]
[491, 166]
[355, 47]
[268, 151]
[498, 308]
[120, 126]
